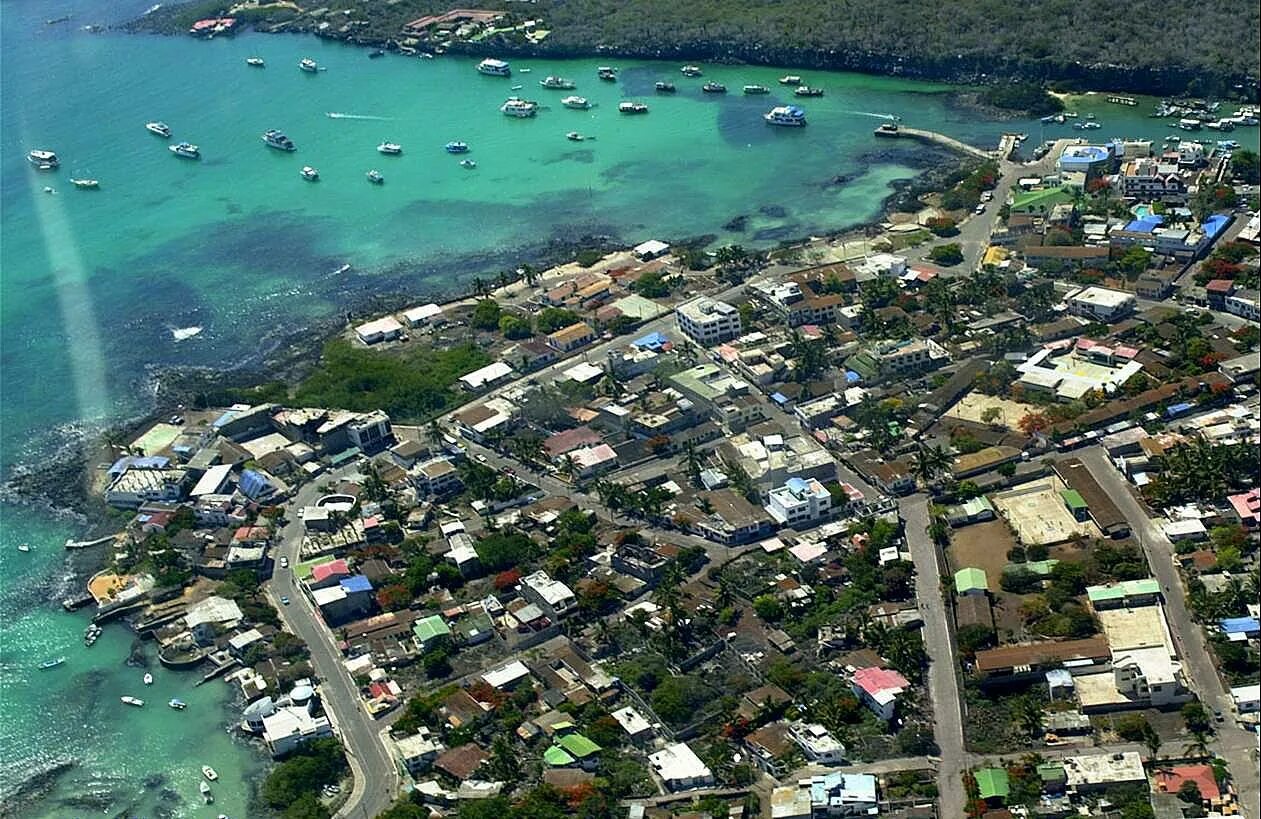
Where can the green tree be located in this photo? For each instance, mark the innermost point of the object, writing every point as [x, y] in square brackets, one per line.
[947, 255]
[486, 315]
[512, 327]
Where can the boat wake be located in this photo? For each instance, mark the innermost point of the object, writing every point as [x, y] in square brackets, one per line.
[889, 117]
[337, 115]
[183, 333]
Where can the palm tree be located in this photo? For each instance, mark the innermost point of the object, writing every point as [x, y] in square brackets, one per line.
[479, 286]
[930, 461]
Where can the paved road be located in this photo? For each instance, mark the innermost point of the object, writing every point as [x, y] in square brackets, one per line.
[1234, 744]
[375, 777]
[943, 674]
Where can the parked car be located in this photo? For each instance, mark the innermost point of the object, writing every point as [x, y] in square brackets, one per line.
[284, 562]
[284, 601]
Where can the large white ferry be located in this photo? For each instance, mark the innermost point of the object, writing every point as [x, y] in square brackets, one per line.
[517, 107]
[786, 115]
[494, 68]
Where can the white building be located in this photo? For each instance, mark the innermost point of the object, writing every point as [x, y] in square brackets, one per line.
[1092, 771]
[651, 249]
[708, 322]
[550, 595]
[212, 482]
[633, 723]
[382, 329]
[415, 753]
[419, 315]
[370, 431]
[799, 502]
[680, 769]
[291, 726]
[818, 745]
[1247, 698]
[1100, 303]
[137, 485]
[486, 376]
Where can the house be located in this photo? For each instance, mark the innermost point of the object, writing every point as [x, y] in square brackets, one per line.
[983, 460]
[1100, 303]
[572, 337]
[480, 420]
[816, 743]
[679, 768]
[971, 581]
[730, 519]
[708, 322]
[976, 510]
[382, 329]
[429, 631]
[1170, 779]
[461, 762]
[878, 689]
[592, 460]
[550, 595]
[1152, 179]
[1240, 629]
[992, 785]
[421, 314]
[799, 503]
[1087, 159]
[1247, 698]
[292, 726]
[651, 249]
[1155, 284]
[842, 795]
[1097, 771]
[138, 484]
[633, 723]
[438, 477]
[1006, 663]
[770, 747]
[891, 477]
[486, 376]
[1125, 594]
[1247, 506]
[416, 752]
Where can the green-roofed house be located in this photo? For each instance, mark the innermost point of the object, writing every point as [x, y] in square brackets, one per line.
[428, 630]
[1076, 504]
[1040, 202]
[1126, 594]
[993, 785]
[557, 757]
[1053, 776]
[580, 748]
[1042, 568]
[971, 581]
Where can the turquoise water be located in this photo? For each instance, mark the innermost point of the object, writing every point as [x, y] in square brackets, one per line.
[92, 283]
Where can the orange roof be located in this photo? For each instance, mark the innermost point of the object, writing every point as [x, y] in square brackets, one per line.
[1169, 780]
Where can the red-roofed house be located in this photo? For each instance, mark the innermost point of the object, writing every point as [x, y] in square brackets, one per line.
[878, 688]
[1247, 506]
[328, 574]
[569, 440]
[212, 26]
[1169, 780]
[251, 534]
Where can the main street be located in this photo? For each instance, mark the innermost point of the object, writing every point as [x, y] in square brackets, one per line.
[1235, 745]
[375, 775]
[943, 666]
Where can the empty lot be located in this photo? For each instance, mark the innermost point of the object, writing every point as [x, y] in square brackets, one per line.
[1038, 514]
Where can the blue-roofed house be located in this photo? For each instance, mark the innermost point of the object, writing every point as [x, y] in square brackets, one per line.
[653, 341]
[1239, 629]
[842, 794]
[350, 598]
[1214, 225]
[255, 484]
[852, 377]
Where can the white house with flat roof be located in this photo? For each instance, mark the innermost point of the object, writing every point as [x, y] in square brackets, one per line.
[550, 595]
[486, 376]
[633, 723]
[817, 743]
[1100, 303]
[386, 328]
[680, 769]
[292, 726]
[707, 321]
[799, 502]
[421, 314]
[651, 249]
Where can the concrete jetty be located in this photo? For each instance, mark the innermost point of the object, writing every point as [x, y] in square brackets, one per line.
[1005, 145]
[84, 544]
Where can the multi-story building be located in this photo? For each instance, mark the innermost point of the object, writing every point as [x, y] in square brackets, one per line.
[370, 432]
[550, 595]
[799, 502]
[1100, 303]
[708, 322]
[1149, 179]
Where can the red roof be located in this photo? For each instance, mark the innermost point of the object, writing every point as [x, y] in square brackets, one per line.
[1220, 286]
[571, 439]
[329, 569]
[1247, 505]
[1169, 780]
[875, 680]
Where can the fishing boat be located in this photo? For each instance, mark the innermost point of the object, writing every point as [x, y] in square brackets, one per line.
[517, 107]
[664, 87]
[789, 116]
[158, 129]
[807, 91]
[86, 184]
[273, 138]
[574, 136]
[468, 164]
[256, 62]
[308, 65]
[790, 79]
[630, 107]
[177, 704]
[24, 547]
[456, 147]
[606, 73]
[390, 148]
[575, 101]
[557, 83]
[714, 88]
[690, 71]
[148, 678]
[44, 160]
[517, 87]
[887, 129]
[206, 794]
[47, 664]
[134, 701]
[375, 177]
[494, 68]
[209, 773]
[756, 89]
[91, 634]
[310, 174]
[376, 55]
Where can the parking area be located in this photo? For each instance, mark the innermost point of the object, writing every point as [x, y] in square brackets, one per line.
[1039, 515]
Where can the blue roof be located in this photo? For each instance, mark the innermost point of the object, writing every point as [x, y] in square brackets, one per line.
[356, 583]
[797, 484]
[1240, 625]
[779, 398]
[1145, 225]
[1215, 224]
[652, 341]
[1178, 409]
[852, 377]
[223, 419]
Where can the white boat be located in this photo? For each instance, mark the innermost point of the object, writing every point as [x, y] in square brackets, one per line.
[391, 148]
[308, 65]
[159, 128]
[789, 116]
[185, 333]
[148, 678]
[690, 71]
[209, 773]
[206, 794]
[756, 89]
[177, 704]
[257, 62]
[86, 184]
[574, 136]
[47, 664]
[575, 101]
[606, 73]
[790, 79]
[554, 82]
[132, 701]
[468, 164]
[456, 147]
[310, 174]
[375, 177]
[187, 150]
[44, 160]
[631, 107]
[273, 138]
[517, 107]
[24, 547]
[494, 68]
[525, 70]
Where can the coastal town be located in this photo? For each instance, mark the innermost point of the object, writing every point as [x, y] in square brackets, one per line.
[956, 517]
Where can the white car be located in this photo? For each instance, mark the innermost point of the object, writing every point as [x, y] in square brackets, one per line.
[481, 459]
[284, 562]
[980, 209]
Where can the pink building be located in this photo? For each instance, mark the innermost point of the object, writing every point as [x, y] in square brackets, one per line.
[879, 688]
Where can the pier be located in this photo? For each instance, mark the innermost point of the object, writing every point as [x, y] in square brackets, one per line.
[1005, 145]
[84, 544]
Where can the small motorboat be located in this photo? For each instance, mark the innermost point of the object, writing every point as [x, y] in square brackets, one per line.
[391, 148]
[690, 70]
[664, 87]
[631, 107]
[159, 129]
[456, 147]
[256, 62]
[606, 73]
[790, 79]
[177, 704]
[43, 160]
[186, 150]
[47, 189]
[47, 664]
[86, 184]
[575, 101]
[310, 174]
[376, 55]
[468, 164]
[375, 177]
[574, 136]
[756, 89]
[308, 65]
[209, 773]
[807, 91]
[206, 794]
[148, 678]
[714, 88]
[24, 547]
[135, 701]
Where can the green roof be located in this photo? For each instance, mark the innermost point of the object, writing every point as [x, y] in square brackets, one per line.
[970, 579]
[1073, 499]
[1124, 589]
[1042, 568]
[578, 745]
[1051, 772]
[992, 783]
[431, 627]
[557, 757]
